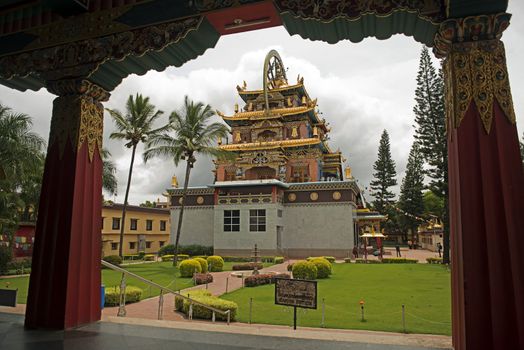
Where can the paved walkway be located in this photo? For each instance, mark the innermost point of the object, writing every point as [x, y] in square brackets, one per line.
[148, 308]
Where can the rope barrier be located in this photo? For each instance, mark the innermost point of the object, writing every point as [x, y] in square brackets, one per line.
[424, 319]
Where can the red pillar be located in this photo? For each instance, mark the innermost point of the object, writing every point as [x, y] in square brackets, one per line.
[64, 288]
[486, 183]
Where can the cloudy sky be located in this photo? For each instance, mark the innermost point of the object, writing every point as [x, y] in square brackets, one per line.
[361, 89]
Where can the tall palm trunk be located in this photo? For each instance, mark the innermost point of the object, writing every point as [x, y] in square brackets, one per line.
[123, 221]
[181, 215]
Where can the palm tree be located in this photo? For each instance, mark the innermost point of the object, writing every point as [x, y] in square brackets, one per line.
[20, 158]
[109, 182]
[193, 134]
[134, 127]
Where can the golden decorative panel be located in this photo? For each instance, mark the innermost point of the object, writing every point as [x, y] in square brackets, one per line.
[200, 200]
[477, 72]
[313, 196]
[337, 195]
[291, 197]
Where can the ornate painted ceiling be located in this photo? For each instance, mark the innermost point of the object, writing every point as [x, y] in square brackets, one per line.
[107, 40]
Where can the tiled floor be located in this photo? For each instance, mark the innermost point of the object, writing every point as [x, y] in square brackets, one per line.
[109, 335]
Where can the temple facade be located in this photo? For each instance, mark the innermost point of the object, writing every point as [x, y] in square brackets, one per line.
[284, 189]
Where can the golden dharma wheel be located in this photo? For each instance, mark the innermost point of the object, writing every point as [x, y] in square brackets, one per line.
[291, 197]
[180, 200]
[313, 196]
[200, 200]
[337, 195]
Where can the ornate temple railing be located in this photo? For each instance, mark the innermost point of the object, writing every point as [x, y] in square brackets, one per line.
[163, 290]
[245, 198]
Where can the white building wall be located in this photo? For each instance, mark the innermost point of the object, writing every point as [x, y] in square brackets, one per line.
[197, 226]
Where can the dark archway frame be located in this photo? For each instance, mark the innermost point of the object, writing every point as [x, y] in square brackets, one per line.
[81, 51]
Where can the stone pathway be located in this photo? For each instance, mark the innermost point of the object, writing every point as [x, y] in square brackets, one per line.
[148, 308]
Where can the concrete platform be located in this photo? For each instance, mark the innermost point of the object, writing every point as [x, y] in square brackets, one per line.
[134, 334]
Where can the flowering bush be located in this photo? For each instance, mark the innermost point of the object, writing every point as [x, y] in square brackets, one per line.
[189, 267]
[304, 270]
[323, 267]
[112, 295]
[215, 263]
[203, 264]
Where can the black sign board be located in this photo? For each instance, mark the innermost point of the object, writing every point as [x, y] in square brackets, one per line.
[295, 292]
[8, 297]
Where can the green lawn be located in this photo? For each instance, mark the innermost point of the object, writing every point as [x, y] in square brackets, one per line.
[159, 272]
[424, 289]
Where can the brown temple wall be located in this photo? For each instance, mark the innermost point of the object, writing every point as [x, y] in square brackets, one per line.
[191, 200]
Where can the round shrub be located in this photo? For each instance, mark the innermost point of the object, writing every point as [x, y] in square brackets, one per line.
[112, 295]
[113, 259]
[304, 270]
[215, 263]
[189, 267]
[203, 264]
[323, 267]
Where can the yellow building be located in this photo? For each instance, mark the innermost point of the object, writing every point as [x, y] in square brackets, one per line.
[146, 229]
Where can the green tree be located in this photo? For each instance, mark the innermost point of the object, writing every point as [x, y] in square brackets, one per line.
[411, 199]
[430, 133]
[135, 126]
[191, 132]
[384, 176]
[148, 204]
[109, 181]
[20, 159]
[433, 205]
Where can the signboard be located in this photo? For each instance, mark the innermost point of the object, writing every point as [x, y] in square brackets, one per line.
[8, 297]
[297, 293]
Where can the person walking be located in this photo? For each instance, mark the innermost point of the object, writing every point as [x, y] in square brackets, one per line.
[397, 248]
[439, 247]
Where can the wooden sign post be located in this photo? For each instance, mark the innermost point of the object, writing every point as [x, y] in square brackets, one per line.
[296, 293]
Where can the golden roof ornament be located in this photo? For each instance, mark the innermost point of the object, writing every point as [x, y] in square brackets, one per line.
[347, 171]
[174, 182]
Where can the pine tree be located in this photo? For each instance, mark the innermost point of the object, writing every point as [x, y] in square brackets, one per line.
[384, 176]
[411, 197]
[430, 133]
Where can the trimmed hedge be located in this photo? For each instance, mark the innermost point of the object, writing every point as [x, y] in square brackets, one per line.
[434, 260]
[203, 264]
[323, 267]
[347, 260]
[182, 257]
[149, 257]
[112, 295]
[215, 263]
[363, 261]
[203, 278]
[205, 297]
[399, 261]
[192, 250]
[112, 259]
[304, 270]
[237, 259]
[189, 267]
[245, 267]
[167, 257]
[261, 279]
[278, 260]
[330, 259]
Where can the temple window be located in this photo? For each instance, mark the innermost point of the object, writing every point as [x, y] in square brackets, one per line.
[266, 135]
[300, 174]
[162, 225]
[231, 220]
[149, 225]
[114, 246]
[161, 243]
[132, 245]
[257, 220]
[134, 224]
[148, 244]
[116, 224]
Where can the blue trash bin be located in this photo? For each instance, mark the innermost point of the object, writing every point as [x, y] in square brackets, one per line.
[102, 296]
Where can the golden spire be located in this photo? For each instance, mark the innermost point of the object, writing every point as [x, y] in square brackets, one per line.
[174, 182]
[236, 107]
[294, 132]
[315, 131]
[238, 138]
[347, 170]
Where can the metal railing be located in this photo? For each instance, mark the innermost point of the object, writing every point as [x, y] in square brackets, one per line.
[163, 290]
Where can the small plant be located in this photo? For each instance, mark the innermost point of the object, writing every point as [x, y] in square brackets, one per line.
[215, 263]
[304, 270]
[205, 297]
[323, 267]
[149, 257]
[113, 259]
[203, 264]
[167, 257]
[279, 260]
[331, 259]
[249, 266]
[112, 295]
[203, 278]
[347, 260]
[434, 260]
[399, 261]
[189, 267]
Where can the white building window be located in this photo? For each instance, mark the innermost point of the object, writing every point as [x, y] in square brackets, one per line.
[257, 220]
[231, 220]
